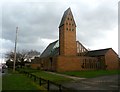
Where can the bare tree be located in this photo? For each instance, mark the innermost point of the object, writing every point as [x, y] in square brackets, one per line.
[21, 56]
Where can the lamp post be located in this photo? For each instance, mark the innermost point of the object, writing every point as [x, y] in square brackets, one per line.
[15, 50]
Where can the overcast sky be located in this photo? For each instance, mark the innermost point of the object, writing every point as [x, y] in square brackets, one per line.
[38, 21]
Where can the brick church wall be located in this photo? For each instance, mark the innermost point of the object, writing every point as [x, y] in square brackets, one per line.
[71, 63]
[111, 60]
[35, 66]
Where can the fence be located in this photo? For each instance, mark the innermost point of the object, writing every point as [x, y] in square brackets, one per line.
[47, 83]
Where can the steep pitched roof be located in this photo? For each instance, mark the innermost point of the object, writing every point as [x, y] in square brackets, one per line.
[97, 52]
[51, 50]
[65, 16]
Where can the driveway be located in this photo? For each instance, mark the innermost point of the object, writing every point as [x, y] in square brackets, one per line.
[98, 83]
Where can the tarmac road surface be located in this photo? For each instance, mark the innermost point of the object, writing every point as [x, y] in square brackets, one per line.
[98, 83]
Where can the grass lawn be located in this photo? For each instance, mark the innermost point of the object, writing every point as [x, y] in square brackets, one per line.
[92, 73]
[47, 76]
[52, 77]
[29, 70]
[16, 81]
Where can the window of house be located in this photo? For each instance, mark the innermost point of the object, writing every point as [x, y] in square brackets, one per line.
[72, 29]
[66, 23]
[68, 18]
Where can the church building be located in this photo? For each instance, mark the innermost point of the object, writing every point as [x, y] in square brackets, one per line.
[67, 54]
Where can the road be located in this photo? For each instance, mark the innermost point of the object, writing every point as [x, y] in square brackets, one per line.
[99, 83]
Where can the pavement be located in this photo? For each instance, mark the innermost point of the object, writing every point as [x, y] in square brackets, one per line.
[99, 83]
[67, 76]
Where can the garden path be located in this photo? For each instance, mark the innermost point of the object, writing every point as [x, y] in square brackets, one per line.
[67, 76]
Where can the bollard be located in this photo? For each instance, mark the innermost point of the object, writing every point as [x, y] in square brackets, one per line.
[40, 81]
[60, 88]
[34, 78]
[48, 86]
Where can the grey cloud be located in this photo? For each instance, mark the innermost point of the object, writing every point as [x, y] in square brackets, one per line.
[41, 20]
[94, 23]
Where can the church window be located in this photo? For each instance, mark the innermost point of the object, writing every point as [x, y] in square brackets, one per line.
[67, 29]
[85, 63]
[90, 61]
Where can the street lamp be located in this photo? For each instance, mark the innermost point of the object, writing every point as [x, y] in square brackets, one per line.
[15, 50]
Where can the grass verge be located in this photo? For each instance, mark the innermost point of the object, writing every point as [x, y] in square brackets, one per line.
[52, 77]
[47, 76]
[16, 81]
[92, 73]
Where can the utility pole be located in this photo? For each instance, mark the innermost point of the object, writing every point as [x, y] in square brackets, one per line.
[15, 50]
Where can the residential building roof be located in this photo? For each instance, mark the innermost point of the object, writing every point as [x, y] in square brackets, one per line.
[35, 60]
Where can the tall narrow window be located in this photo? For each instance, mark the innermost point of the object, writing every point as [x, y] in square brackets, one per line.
[67, 29]
[85, 63]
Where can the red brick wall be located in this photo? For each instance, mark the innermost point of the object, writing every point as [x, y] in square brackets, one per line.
[68, 63]
[62, 63]
[67, 37]
[111, 60]
[48, 64]
[35, 66]
[71, 63]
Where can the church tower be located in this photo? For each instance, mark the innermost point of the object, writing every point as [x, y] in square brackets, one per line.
[67, 34]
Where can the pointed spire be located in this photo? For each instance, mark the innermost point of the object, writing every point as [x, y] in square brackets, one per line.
[65, 16]
[66, 13]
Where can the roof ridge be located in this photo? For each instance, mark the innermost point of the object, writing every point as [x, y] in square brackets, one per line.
[101, 49]
[53, 42]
